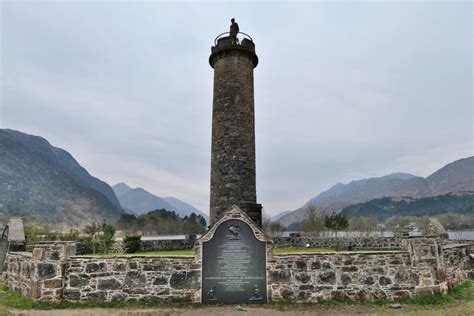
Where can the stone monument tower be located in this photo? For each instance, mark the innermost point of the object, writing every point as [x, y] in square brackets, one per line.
[233, 127]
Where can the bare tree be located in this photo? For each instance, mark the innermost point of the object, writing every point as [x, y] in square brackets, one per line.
[276, 229]
[314, 221]
[266, 220]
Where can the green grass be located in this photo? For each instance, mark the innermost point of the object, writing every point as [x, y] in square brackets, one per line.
[281, 250]
[185, 252]
[377, 249]
[463, 293]
[190, 252]
[16, 300]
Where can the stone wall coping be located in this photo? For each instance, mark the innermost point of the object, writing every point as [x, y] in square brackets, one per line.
[450, 246]
[420, 237]
[343, 253]
[40, 243]
[132, 257]
[21, 253]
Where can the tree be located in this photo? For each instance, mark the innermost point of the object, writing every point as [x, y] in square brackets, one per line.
[106, 236]
[313, 223]
[363, 225]
[132, 243]
[202, 221]
[275, 229]
[368, 225]
[266, 220]
[92, 232]
[73, 235]
[336, 222]
[39, 231]
[193, 218]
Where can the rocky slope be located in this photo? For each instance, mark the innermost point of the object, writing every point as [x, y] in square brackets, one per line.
[40, 182]
[454, 177]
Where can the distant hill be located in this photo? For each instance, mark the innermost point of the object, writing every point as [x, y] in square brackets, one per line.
[384, 208]
[280, 215]
[454, 177]
[140, 201]
[40, 182]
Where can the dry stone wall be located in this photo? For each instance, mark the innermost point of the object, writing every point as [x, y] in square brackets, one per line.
[323, 276]
[339, 242]
[177, 244]
[458, 265]
[39, 275]
[172, 278]
[426, 266]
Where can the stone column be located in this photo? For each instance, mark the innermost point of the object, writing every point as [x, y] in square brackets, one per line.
[233, 129]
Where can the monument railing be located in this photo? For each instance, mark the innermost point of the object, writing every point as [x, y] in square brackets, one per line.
[240, 36]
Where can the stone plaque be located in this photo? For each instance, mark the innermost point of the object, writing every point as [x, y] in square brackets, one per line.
[234, 266]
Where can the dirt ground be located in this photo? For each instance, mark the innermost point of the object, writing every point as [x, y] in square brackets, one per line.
[444, 310]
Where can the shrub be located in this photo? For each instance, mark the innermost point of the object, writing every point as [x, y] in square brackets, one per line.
[132, 243]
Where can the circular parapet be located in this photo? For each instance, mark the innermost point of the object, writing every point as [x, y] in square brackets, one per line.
[224, 44]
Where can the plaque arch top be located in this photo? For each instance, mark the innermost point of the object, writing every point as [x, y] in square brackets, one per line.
[234, 212]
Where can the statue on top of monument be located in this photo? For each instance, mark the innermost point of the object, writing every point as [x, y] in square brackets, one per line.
[234, 30]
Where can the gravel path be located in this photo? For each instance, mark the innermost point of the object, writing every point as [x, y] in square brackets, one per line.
[208, 311]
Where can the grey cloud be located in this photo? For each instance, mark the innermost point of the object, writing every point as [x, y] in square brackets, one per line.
[344, 90]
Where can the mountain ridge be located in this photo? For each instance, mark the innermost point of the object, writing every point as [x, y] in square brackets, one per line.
[41, 182]
[453, 177]
[141, 201]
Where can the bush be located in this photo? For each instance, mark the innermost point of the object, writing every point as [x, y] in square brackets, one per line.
[132, 243]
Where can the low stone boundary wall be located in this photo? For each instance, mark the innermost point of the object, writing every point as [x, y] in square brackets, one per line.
[426, 266]
[172, 278]
[323, 276]
[39, 275]
[176, 244]
[339, 242]
[458, 266]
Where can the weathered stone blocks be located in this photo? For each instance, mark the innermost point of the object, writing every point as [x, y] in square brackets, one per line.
[135, 279]
[299, 277]
[46, 270]
[108, 284]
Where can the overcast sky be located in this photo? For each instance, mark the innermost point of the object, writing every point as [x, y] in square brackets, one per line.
[343, 90]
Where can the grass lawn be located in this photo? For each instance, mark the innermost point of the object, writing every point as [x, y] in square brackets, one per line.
[186, 252]
[281, 250]
[190, 252]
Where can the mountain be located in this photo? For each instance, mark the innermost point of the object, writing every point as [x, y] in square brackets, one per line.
[40, 182]
[384, 208]
[183, 206]
[140, 201]
[280, 215]
[454, 177]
